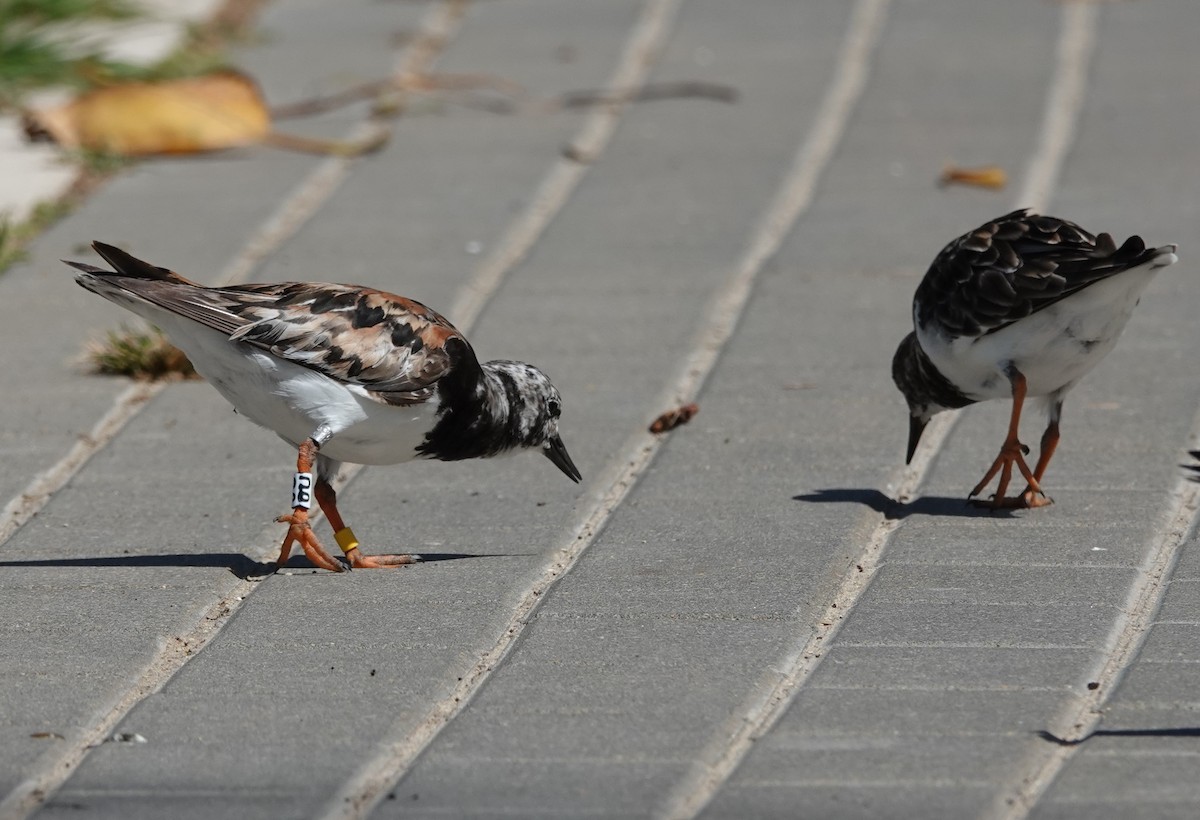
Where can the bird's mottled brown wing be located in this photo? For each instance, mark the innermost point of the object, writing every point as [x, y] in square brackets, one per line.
[1014, 266]
[394, 347]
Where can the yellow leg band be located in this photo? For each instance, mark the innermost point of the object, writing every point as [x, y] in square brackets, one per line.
[345, 539]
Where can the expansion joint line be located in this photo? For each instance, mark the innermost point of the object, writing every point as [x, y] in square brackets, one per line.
[400, 749]
[53, 768]
[770, 697]
[1082, 714]
[732, 741]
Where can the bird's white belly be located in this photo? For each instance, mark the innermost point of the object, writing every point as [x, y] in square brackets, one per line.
[294, 401]
[1053, 348]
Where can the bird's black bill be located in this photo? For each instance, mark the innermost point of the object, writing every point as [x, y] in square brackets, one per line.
[556, 451]
[915, 428]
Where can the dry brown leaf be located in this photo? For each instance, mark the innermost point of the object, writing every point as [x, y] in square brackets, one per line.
[673, 418]
[222, 110]
[983, 176]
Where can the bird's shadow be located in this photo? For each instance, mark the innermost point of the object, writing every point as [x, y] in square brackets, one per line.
[893, 510]
[1182, 731]
[243, 566]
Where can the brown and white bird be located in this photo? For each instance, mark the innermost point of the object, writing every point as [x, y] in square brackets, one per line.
[344, 374]
[1023, 306]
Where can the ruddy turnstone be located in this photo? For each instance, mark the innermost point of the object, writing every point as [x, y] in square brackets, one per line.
[344, 374]
[1024, 305]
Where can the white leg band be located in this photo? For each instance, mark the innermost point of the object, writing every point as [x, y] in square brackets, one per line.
[302, 484]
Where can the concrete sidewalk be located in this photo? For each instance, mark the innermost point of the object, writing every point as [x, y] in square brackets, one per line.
[731, 621]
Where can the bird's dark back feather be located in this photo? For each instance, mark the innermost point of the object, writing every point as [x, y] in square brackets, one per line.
[1014, 266]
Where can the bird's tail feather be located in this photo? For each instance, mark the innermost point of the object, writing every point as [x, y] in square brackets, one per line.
[130, 265]
[1164, 255]
[133, 284]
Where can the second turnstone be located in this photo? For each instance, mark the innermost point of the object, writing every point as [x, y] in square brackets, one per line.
[344, 374]
[1023, 306]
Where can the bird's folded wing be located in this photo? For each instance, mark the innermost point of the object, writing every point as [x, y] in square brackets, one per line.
[394, 347]
[1014, 266]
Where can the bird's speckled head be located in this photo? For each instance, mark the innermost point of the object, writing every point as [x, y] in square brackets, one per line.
[525, 400]
[925, 389]
[526, 405]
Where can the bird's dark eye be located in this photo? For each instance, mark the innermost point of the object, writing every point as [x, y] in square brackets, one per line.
[555, 409]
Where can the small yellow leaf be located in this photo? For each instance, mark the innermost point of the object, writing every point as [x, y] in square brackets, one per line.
[222, 110]
[984, 176]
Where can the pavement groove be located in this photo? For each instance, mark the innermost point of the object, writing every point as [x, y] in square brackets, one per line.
[1081, 715]
[382, 770]
[717, 322]
[594, 651]
[734, 738]
[1064, 105]
[297, 207]
[767, 703]
[1075, 29]
[45, 484]
[587, 147]
[54, 768]
[555, 190]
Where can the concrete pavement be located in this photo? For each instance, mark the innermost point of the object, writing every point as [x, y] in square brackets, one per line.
[731, 621]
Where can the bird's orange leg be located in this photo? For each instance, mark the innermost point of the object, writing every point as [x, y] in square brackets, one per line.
[1038, 498]
[300, 532]
[1013, 452]
[327, 498]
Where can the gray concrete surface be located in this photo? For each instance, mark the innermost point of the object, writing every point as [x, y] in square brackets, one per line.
[439, 690]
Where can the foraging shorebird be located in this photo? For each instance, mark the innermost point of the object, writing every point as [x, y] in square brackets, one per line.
[1023, 306]
[344, 374]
